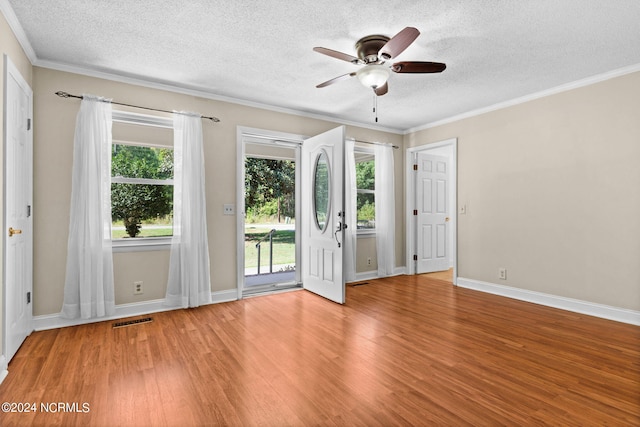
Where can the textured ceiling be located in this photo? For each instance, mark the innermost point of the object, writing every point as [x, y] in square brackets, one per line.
[261, 51]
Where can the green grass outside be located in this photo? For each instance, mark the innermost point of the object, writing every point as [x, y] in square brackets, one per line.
[150, 232]
[284, 244]
[284, 247]
[163, 224]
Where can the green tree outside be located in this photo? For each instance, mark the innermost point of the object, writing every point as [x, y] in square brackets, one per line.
[366, 206]
[269, 188]
[134, 203]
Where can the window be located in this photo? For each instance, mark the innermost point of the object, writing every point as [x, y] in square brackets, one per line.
[141, 191]
[366, 197]
[141, 180]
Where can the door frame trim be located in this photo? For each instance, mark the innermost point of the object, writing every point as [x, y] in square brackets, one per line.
[410, 197]
[243, 132]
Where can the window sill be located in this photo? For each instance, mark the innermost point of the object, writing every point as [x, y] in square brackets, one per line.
[140, 244]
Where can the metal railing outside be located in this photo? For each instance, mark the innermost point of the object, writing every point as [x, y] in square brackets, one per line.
[269, 235]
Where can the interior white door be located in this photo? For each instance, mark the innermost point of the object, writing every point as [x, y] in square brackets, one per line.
[18, 201]
[432, 205]
[322, 221]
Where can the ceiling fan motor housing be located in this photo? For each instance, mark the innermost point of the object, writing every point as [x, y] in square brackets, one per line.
[367, 48]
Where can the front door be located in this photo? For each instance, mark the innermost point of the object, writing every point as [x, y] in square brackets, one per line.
[322, 179]
[270, 233]
[17, 214]
[432, 194]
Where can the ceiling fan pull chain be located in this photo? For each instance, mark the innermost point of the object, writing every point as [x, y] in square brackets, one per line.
[375, 105]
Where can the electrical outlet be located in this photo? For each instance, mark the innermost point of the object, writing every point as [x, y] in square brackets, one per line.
[137, 288]
[502, 273]
[229, 209]
[369, 261]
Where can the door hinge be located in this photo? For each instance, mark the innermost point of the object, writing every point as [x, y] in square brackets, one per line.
[415, 167]
[415, 257]
[28, 211]
[28, 297]
[28, 124]
[415, 211]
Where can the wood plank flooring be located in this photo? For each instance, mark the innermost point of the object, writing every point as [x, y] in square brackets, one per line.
[446, 275]
[408, 350]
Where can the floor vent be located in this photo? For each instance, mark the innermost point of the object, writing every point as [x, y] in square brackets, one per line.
[132, 322]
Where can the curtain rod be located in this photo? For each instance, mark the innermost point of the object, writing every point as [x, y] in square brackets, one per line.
[68, 95]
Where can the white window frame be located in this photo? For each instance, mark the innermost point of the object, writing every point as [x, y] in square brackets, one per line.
[365, 232]
[148, 243]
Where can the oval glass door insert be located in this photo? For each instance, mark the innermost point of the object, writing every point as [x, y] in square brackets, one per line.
[321, 190]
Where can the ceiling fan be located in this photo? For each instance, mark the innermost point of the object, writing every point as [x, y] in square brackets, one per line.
[373, 52]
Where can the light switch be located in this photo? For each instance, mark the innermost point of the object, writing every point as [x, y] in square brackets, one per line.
[229, 209]
[462, 210]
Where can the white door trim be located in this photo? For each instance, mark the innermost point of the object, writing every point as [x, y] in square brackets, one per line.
[243, 133]
[452, 145]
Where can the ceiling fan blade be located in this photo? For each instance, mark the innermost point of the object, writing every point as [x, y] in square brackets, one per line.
[336, 80]
[398, 43]
[418, 67]
[338, 55]
[382, 89]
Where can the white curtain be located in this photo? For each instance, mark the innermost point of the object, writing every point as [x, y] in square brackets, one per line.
[351, 211]
[88, 288]
[189, 283]
[385, 210]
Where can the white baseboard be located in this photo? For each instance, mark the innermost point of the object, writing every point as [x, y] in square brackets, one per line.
[569, 304]
[224, 296]
[366, 275]
[4, 368]
[373, 274]
[53, 321]
[399, 271]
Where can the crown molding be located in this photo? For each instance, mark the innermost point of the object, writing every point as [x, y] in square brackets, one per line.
[17, 29]
[21, 36]
[198, 92]
[202, 93]
[521, 100]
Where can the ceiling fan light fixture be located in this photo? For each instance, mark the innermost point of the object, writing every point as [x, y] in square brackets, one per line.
[373, 75]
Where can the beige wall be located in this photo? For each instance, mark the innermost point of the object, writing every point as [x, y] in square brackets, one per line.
[551, 189]
[53, 147]
[8, 46]
[549, 185]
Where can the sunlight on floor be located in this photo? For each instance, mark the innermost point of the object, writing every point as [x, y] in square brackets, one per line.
[446, 275]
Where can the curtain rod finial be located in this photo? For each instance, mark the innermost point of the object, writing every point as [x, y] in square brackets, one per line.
[67, 95]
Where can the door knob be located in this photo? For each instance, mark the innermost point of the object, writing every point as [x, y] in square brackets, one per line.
[446, 219]
[13, 231]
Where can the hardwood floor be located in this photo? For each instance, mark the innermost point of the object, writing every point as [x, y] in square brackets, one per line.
[408, 350]
[446, 275]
